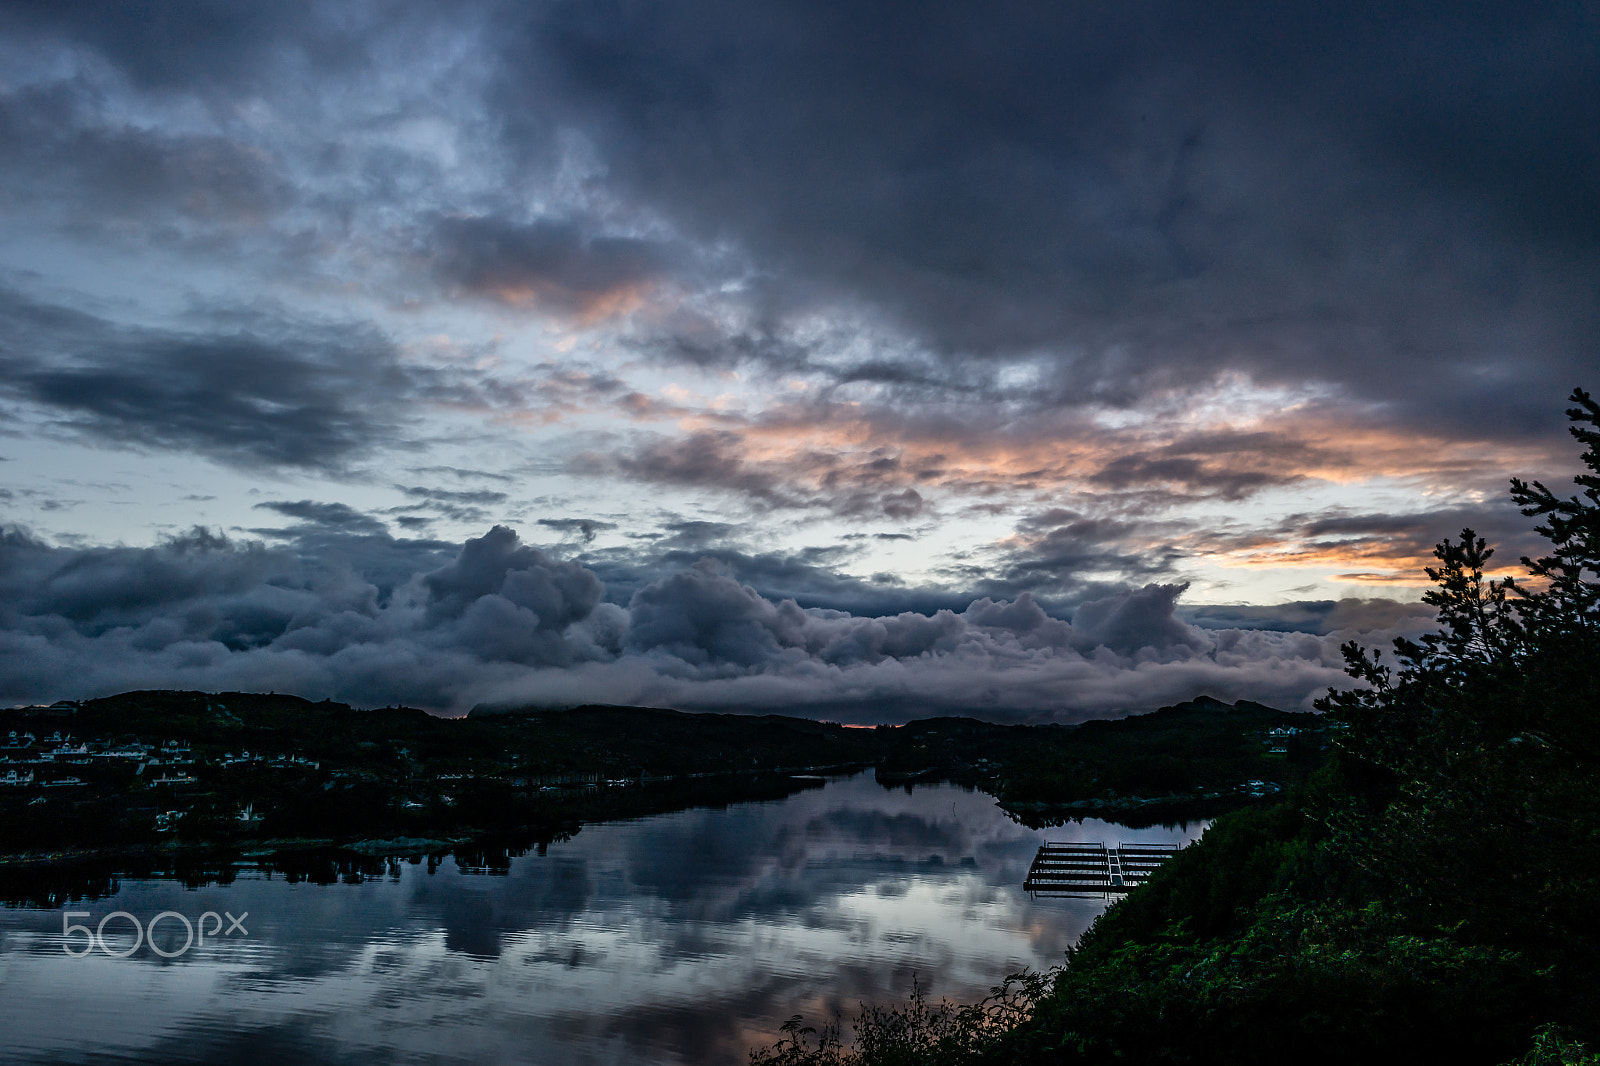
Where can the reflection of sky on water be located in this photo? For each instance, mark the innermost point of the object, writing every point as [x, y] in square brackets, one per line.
[679, 938]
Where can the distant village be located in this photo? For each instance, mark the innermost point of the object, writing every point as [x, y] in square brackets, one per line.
[284, 768]
[46, 758]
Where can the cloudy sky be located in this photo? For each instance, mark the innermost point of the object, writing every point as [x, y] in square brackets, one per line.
[858, 359]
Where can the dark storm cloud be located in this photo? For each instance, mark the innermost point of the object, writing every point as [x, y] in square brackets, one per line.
[696, 533]
[1066, 556]
[553, 263]
[966, 233]
[1397, 201]
[463, 473]
[1135, 620]
[710, 460]
[387, 563]
[203, 44]
[365, 617]
[809, 581]
[57, 144]
[136, 614]
[495, 564]
[584, 527]
[704, 616]
[845, 485]
[457, 505]
[422, 492]
[329, 615]
[333, 516]
[1192, 474]
[1393, 200]
[274, 141]
[251, 389]
[1498, 520]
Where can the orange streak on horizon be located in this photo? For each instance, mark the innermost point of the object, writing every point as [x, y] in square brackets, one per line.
[1373, 560]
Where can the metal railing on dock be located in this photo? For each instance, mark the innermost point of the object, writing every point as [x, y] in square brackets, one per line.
[1090, 868]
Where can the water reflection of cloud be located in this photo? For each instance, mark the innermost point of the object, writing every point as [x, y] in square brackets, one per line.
[899, 830]
[670, 939]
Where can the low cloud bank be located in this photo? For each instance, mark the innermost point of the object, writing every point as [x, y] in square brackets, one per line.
[503, 622]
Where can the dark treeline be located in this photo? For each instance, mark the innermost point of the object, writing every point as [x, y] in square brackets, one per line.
[1430, 894]
[1182, 763]
[136, 780]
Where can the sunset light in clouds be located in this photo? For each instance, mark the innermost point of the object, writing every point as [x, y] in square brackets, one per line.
[859, 360]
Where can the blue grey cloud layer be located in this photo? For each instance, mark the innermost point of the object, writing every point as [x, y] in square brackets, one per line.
[1112, 283]
[497, 620]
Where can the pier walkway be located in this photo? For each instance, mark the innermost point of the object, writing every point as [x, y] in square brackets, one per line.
[1092, 869]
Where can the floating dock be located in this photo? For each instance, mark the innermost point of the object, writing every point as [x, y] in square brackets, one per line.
[1092, 869]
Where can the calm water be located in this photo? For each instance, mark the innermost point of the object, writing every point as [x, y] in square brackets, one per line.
[679, 938]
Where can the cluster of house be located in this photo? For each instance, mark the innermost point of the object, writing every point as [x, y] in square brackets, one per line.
[27, 751]
[280, 761]
[28, 760]
[60, 747]
[1278, 739]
